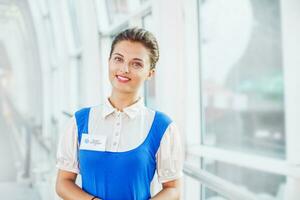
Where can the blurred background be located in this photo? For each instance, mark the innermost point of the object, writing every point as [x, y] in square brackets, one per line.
[228, 75]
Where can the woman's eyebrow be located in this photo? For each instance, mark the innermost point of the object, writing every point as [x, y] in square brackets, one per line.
[118, 54]
[138, 59]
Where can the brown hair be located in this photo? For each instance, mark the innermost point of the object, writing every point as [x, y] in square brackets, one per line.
[139, 35]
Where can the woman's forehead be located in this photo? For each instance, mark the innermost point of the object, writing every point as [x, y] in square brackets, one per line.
[131, 50]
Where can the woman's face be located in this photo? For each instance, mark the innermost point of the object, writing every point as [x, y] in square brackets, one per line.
[129, 66]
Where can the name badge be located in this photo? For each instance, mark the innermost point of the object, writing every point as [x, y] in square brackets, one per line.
[93, 142]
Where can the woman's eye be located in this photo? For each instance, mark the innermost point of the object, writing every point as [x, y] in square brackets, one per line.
[118, 59]
[137, 65]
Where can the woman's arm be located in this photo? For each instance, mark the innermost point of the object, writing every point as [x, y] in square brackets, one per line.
[67, 189]
[170, 191]
[169, 161]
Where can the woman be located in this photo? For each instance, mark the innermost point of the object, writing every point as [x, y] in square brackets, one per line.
[118, 145]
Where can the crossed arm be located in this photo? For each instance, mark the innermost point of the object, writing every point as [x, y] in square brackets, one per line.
[68, 190]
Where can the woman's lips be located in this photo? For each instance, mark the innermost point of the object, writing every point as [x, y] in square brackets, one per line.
[122, 79]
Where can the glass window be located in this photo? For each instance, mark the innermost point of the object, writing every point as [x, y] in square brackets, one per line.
[119, 9]
[209, 194]
[76, 62]
[265, 185]
[241, 76]
[149, 89]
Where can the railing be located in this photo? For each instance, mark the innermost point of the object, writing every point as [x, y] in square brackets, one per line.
[219, 185]
[67, 114]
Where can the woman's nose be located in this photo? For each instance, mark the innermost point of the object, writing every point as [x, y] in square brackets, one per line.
[125, 68]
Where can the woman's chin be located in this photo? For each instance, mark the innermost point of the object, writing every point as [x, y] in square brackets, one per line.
[122, 89]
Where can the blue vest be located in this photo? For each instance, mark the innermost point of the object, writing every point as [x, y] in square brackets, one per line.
[120, 175]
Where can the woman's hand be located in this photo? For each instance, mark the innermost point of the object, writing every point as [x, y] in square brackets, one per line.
[67, 189]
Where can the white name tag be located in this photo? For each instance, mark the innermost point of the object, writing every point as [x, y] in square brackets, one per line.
[93, 142]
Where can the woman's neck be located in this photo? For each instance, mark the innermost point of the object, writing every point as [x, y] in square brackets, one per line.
[122, 100]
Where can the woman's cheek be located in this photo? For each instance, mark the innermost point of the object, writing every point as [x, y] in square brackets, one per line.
[138, 82]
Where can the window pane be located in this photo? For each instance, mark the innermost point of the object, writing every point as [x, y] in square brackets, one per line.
[265, 185]
[117, 10]
[212, 195]
[241, 75]
[149, 89]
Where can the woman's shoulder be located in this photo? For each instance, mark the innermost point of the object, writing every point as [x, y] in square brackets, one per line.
[160, 115]
[82, 110]
[87, 109]
[85, 112]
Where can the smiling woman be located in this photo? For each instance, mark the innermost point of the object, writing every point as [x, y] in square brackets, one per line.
[123, 142]
[130, 64]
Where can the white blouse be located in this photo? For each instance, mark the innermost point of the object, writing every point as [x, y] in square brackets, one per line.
[124, 131]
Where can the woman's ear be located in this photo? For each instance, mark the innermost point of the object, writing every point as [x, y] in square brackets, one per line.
[151, 74]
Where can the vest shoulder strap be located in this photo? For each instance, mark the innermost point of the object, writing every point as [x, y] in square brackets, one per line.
[161, 123]
[82, 121]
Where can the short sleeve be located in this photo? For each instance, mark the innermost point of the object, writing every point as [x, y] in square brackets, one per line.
[67, 148]
[169, 157]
